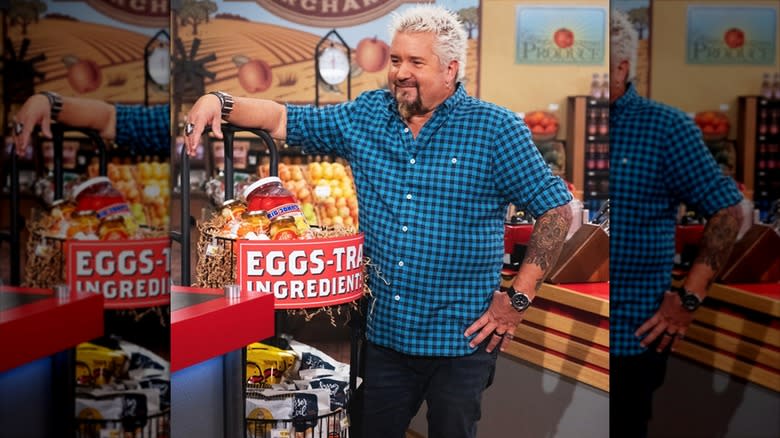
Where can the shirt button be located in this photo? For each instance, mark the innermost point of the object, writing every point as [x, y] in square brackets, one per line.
[401, 263]
[412, 161]
[408, 196]
[404, 228]
[625, 160]
[454, 160]
[397, 298]
[406, 129]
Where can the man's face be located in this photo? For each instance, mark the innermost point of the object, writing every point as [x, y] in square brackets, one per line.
[618, 79]
[416, 77]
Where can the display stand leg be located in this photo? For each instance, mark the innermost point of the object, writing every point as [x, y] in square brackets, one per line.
[234, 390]
[15, 223]
[64, 392]
[356, 368]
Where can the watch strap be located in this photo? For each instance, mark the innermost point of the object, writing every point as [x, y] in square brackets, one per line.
[55, 103]
[226, 103]
[686, 296]
[512, 293]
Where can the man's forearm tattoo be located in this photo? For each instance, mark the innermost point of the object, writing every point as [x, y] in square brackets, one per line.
[547, 239]
[718, 238]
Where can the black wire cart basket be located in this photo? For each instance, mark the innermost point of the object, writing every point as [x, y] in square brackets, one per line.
[217, 267]
[142, 426]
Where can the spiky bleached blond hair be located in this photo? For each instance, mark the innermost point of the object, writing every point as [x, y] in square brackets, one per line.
[451, 36]
[623, 41]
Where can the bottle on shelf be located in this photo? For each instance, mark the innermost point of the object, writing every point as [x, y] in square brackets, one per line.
[766, 87]
[774, 126]
[763, 127]
[605, 86]
[590, 156]
[602, 156]
[604, 122]
[592, 123]
[595, 87]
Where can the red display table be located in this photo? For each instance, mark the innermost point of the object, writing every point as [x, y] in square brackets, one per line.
[35, 323]
[38, 333]
[206, 324]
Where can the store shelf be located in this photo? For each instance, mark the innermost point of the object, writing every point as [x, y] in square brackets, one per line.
[588, 150]
[758, 150]
[35, 323]
[206, 324]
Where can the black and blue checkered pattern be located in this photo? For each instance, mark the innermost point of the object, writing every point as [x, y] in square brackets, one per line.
[145, 130]
[431, 207]
[657, 161]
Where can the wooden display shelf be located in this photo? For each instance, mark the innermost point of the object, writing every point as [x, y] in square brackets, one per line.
[567, 331]
[764, 298]
[732, 365]
[736, 331]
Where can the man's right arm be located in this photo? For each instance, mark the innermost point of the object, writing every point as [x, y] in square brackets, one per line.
[247, 113]
[76, 111]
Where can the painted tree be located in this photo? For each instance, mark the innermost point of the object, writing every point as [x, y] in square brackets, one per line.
[25, 12]
[195, 12]
[640, 17]
[470, 19]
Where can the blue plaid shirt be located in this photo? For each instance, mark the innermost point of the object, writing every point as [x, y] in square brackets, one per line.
[431, 207]
[658, 160]
[145, 130]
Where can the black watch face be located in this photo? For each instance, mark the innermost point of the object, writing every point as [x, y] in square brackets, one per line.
[520, 302]
[690, 302]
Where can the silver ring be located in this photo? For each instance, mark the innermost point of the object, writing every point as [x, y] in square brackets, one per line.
[18, 128]
[508, 336]
[189, 128]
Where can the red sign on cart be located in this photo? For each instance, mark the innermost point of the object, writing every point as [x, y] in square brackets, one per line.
[303, 273]
[129, 273]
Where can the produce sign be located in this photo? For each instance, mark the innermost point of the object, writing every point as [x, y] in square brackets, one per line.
[560, 35]
[719, 35]
[129, 273]
[303, 273]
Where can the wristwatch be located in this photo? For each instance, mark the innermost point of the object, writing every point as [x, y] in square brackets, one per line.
[690, 300]
[226, 102]
[519, 300]
[55, 104]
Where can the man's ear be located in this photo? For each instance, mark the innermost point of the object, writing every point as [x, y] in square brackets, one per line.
[452, 71]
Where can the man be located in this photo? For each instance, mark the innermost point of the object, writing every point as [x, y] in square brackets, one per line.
[658, 161]
[434, 171]
[146, 130]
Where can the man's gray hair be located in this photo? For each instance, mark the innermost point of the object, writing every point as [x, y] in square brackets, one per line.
[623, 41]
[451, 36]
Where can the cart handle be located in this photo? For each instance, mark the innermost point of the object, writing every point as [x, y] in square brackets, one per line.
[228, 131]
[58, 132]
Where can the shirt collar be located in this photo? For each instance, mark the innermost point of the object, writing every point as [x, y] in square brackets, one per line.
[627, 99]
[446, 106]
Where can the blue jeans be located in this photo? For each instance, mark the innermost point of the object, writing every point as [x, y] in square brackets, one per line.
[396, 384]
